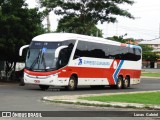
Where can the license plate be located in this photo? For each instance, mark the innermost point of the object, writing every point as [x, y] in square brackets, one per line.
[37, 81]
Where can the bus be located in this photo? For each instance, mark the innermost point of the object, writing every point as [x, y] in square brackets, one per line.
[70, 60]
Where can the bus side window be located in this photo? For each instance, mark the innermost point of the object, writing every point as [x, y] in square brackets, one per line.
[79, 50]
[61, 59]
[64, 56]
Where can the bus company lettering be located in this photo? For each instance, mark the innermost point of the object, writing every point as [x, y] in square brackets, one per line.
[88, 62]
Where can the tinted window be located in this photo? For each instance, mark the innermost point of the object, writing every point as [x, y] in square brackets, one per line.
[68, 42]
[89, 49]
[65, 53]
[98, 50]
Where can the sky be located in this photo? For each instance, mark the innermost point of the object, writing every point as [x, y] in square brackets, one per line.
[146, 24]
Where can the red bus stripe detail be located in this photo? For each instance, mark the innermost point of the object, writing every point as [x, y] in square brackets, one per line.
[85, 72]
[124, 45]
[40, 73]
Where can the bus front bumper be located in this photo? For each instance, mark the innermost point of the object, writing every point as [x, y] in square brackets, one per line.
[53, 80]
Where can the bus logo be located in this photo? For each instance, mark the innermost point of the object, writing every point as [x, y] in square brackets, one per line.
[80, 61]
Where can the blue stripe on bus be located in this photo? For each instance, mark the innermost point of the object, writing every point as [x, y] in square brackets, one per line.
[117, 71]
[134, 46]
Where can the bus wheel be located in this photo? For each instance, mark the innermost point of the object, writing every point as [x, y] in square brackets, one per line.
[126, 83]
[72, 85]
[119, 82]
[44, 87]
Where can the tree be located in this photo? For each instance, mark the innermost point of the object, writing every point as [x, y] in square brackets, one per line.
[118, 38]
[148, 54]
[96, 32]
[69, 24]
[87, 13]
[18, 26]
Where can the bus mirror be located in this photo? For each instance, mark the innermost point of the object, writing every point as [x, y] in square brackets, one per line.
[58, 50]
[21, 49]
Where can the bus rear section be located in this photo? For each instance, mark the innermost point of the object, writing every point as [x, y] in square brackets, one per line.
[72, 60]
[114, 64]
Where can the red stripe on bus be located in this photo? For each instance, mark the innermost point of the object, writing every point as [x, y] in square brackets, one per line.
[124, 45]
[85, 72]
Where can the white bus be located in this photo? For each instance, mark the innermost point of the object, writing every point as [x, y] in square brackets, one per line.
[71, 60]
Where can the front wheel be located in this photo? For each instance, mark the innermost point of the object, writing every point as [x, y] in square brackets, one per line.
[44, 87]
[72, 85]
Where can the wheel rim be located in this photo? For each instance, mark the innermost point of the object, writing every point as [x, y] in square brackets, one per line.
[119, 83]
[126, 83]
[71, 83]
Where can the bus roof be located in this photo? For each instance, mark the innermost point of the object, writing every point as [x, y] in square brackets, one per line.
[58, 37]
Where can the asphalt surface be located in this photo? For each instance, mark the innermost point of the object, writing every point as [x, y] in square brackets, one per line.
[29, 98]
[151, 70]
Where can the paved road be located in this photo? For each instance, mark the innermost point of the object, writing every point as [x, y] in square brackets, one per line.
[28, 98]
[151, 70]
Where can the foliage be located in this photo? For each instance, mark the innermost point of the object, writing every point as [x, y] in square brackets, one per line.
[148, 54]
[69, 24]
[18, 26]
[118, 38]
[85, 14]
[146, 48]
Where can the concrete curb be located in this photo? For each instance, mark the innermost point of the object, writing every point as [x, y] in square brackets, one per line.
[150, 77]
[74, 100]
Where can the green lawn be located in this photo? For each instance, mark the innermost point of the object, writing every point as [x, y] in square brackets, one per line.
[143, 98]
[150, 74]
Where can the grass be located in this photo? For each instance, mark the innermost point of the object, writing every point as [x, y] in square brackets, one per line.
[150, 74]
[142, 98]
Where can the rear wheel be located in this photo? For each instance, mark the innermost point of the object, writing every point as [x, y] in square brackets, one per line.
[44, 87]
[126, 83]
[72, 85]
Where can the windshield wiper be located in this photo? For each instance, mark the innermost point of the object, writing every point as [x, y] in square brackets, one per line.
[35, 61]
[43, 61]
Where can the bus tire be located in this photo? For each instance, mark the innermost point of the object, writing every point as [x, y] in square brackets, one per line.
[126, 83]
[44, 87]
[119, 84]
[72, 85]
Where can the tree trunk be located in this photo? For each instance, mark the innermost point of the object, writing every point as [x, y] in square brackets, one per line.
[8, 69]
[13, 71]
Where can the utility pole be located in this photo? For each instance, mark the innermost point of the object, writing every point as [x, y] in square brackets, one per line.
[117, 29]
[159, 30]
[97, 33]
[48, 23]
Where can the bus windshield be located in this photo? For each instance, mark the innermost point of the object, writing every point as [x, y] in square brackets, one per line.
[41, 56]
